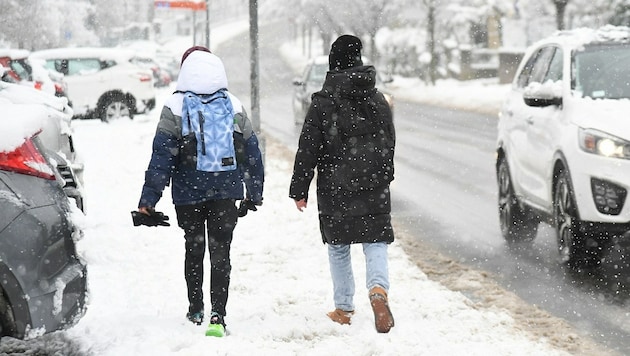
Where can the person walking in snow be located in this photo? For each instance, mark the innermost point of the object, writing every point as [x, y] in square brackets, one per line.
[352, 209]
[204, 201]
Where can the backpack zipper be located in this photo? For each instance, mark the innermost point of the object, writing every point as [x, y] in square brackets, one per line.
[203, 139]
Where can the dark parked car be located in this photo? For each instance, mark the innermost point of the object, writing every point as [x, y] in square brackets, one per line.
[43, 282]
[56, 133]
[312, 80]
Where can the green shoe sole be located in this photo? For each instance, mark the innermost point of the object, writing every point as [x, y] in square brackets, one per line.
[216, 330]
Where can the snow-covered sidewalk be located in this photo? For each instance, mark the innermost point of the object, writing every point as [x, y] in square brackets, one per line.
[280, 288]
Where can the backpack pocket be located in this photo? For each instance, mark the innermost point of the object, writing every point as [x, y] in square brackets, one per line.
[188, 151]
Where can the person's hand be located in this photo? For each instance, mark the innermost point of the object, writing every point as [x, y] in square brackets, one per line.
[149, 217]
[300, 204]
[245, 206]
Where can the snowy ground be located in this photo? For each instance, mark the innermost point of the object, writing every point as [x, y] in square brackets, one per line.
[281, 287]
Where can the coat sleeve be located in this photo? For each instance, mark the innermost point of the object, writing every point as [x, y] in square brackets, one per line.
[253, 168]
[308, 153]
[163, 159]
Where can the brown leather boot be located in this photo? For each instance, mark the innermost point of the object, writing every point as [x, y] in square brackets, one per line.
[383, 318]
[341, 316]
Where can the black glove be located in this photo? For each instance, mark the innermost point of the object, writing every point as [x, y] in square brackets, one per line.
[245, 206]
[155, 218]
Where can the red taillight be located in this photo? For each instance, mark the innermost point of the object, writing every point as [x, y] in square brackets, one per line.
[39, 85]
[26, 159]
[145, 78]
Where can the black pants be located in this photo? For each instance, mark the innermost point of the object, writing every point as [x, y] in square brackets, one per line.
[219, 218]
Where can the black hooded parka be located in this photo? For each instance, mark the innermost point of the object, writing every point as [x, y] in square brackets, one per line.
[345, 216]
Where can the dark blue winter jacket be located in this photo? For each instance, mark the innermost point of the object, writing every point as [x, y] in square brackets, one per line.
[202, 73]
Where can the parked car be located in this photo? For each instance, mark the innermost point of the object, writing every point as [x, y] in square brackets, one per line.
[311, 81]
[56, 134]
[160, 55]
[103, 83]
[161, 78]
[6, 75]
[25, 71]
[44, 282]
[563, 149]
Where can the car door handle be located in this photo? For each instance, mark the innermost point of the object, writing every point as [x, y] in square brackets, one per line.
[530, 121]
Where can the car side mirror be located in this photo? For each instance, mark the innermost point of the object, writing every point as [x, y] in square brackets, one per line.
[542, 95]
[542, 102]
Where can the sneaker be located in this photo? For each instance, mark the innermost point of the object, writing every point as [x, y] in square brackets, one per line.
[195, 318]
[341, 316]
[383, 318]
[216, 326]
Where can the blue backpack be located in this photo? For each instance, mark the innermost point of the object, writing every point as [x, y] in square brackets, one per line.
[208, 131]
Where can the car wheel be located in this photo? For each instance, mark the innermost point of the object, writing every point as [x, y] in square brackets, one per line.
[571, 246]
[7, 320]
[114, 106]
[517, 223]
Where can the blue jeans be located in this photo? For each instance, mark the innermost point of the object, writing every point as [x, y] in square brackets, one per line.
[376, 271]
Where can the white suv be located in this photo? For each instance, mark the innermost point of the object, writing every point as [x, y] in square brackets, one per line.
[102, 82]
[563, 149]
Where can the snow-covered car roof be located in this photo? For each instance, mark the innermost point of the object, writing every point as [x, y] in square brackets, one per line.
[14, 53]
[579, 37]
[320, 60]
[85, 52]
[19, 122]
[20, 94]
[25, 111]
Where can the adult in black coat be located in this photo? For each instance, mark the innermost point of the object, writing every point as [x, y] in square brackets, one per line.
[347, 215]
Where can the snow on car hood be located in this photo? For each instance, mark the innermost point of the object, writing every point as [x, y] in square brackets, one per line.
[607, 115]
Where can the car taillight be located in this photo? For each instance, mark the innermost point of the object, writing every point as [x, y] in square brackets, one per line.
[145, 78]
[26, 159]
[39, 85]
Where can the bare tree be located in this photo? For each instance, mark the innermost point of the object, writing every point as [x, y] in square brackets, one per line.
[561, 6]
[368, 18]
[14, 15]
[431, 10]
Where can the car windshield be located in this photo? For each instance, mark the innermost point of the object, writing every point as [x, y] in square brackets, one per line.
[602, 72]
[318, 73]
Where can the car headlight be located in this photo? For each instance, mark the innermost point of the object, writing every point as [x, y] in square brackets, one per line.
[603, 144]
